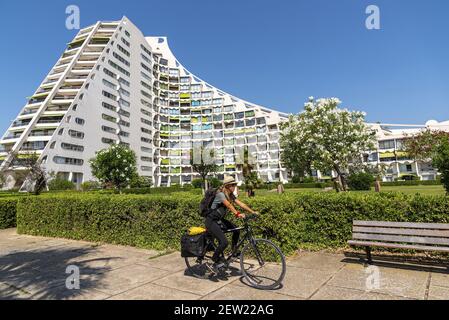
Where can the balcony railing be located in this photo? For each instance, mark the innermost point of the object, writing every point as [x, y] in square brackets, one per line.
[20, 124]
[28, 111]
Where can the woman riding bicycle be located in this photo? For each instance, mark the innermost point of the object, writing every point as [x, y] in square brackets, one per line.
[224, 201]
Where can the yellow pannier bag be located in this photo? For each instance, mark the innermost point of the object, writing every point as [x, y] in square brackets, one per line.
[193, 231]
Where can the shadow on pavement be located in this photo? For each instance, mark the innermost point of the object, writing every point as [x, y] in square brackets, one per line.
[41, 273]
[426, 264]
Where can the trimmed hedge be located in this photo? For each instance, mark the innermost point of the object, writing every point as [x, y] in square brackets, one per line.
[309, 220]
[8, 212]
[412, 183]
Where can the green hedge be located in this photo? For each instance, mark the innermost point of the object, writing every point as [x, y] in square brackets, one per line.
[309, 220]
[8, 212]
[412, 183]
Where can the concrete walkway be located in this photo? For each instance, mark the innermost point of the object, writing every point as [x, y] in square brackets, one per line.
[35, 268]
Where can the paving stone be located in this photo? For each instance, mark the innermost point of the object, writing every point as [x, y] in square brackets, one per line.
[317, 261]
[124, 279]
[8, 292]
[438, 293]
[338, 293]
[440, 279]
[62, 293]
[235, 292]
[181, 281]
[299, 282]
[152, 291]
[393, 281]
[171, 262]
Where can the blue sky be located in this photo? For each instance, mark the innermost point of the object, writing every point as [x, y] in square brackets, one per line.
[274, 53]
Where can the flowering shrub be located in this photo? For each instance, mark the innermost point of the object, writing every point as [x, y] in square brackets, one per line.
[115, 166]
[324, 137]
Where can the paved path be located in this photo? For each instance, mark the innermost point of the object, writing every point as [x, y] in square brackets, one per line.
[35, 268]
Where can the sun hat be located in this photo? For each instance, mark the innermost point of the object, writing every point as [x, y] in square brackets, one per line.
[229, 180]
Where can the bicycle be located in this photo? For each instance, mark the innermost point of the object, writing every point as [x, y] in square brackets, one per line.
[260, 259]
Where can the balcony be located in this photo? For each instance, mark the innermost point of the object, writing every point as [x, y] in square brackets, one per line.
[41, 133]
[17, 124]
[28, 112]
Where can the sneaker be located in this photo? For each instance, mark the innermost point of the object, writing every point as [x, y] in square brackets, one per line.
[217, 267]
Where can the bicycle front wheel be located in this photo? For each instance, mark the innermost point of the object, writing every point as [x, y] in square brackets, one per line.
[263, 264]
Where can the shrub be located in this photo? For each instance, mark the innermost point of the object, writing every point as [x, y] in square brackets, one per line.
[90, 185]
[8, 212]
[141, 182]
[214, 182]
[412, 183]
[441, 161]
[311, 220]
[115, 166]
[197, 183]
[360, 181]
[59, 184]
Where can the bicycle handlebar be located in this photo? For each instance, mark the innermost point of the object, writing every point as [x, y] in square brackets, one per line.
[251, 217]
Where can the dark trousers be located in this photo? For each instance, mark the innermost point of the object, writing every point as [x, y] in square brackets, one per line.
[214, 228]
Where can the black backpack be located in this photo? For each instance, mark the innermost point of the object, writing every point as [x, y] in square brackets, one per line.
[206, 203]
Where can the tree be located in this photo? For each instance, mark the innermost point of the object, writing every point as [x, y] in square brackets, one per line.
[431, 145]
[440, 160]
[325, 136]
[115, 166]
[202, 161]
[251, 179]
[422, 146]
[29, 168]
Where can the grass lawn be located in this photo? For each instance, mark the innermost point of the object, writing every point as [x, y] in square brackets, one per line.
[429, 190]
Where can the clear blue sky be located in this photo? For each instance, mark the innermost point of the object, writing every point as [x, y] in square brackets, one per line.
[274, 53]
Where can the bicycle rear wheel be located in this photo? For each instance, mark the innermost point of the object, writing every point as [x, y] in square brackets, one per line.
[263, 264]
[197, 266]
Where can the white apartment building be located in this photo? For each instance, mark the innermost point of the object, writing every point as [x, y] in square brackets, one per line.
[390, 152]
[113, 85]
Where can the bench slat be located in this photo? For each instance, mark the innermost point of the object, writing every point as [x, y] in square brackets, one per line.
[395, 238]
[412, 225]
[398, 246]
[403, 231]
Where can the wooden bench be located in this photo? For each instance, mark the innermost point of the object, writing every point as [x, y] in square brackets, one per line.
[401, 235]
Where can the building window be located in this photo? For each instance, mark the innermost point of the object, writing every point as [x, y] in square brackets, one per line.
[109, 84]
[72, 147]
[387, 144]
[109, 95]
[121, 59]
[109, 107]
[123, 50]
[109, 118]
[80, 121]
[126, 42]
[109, 73]
[124, 113]
[124, 134]
[70, 161]
[108, 129]
[107, 140]
[124, 123]
[76, 134]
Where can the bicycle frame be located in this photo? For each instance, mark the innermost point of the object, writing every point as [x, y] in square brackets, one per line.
[247, 236]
